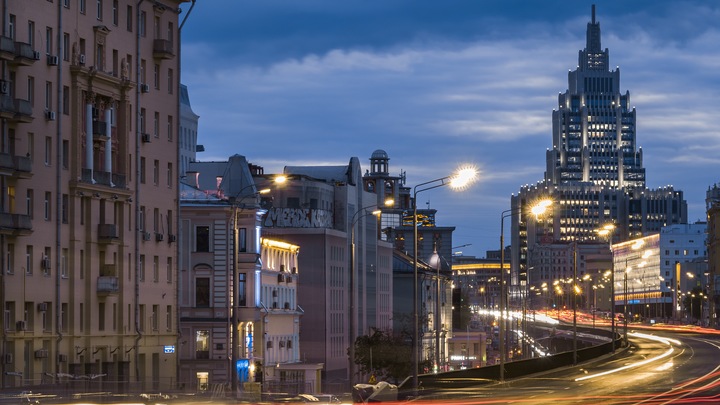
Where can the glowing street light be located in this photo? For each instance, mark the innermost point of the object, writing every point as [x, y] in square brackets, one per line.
[460, 180]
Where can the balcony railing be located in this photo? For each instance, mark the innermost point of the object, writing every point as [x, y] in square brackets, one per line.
[24, 54]
[103, 178]
[107, 232]
[163, 49]
[15, 224]
[107, 285]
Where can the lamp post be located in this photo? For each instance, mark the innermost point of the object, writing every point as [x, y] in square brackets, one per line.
[625, 314]
[463, 178]
[537, 210]
[355, 218]
[608, 230]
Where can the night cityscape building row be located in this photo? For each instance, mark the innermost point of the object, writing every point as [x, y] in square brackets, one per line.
[128, 262]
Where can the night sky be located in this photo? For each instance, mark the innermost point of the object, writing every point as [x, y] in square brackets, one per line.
[440, 84]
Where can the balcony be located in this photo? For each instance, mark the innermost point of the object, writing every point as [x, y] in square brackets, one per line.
[15, 166]
[107, 285]
[107, 233]
[103, 178]
[163, 49]
[15, 224]
[24, 54]
[7, 48]
[15, 109]
[100, 129]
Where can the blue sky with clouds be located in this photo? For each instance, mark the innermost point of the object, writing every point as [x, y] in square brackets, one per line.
[437, 84]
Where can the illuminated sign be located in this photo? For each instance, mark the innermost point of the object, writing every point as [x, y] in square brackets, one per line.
[168, 349]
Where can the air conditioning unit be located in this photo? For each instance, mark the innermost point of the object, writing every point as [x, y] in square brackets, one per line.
[8, 358]
[172, 238]
[144, 88]
[41, 354]
[4, 87]
[36, 55]
[159, 237]
[42, 306]
[62, 358]
[146, 138]
[20, 326]
[50, 115]
[147, 236]
[53, 60]
[81, 59]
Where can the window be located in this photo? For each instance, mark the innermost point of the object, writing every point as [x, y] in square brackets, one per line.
[171, 81]
[99, 10]
[66, 104]
[202, 239]
[115, 12]
[66, 46]
[28, 260]
[156, 171]
[202, 344]
[31, 90]
[141, 23]
[170, 128]
[168, 317]
[82, 317]
[156, 269]
[101, 316]
[156, 77]
[47, 205]
[48, 40]
[31, 34]
[29, 203]
[242, 240]
[129, 18]
[242, 289]
[202, 292]
[10, 259]
[169, 175]
[156, 124]
[11, 26]
[64, 317]
[64, 208]
[48, 96]
[169, 270]
[142, 170]
[82, 6]
[65, 154]
[48, 150]
[64, 263]
[141, 270]
[154, 317]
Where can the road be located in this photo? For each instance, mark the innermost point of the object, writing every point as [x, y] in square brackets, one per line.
[656, 368]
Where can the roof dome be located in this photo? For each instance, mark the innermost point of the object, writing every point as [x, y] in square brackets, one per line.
[379, 154]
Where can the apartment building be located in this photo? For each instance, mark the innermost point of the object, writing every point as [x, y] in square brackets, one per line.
[88, 171]
[239, 310]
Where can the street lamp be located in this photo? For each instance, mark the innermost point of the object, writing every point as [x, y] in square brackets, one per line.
[458, 181]
[355, 218]
[537, 210]
[608, 230]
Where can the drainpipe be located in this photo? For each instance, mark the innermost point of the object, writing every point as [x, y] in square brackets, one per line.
[58, 192]
[2, 237]
[137, 194]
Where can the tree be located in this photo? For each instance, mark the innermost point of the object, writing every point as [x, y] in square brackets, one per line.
[387, 357]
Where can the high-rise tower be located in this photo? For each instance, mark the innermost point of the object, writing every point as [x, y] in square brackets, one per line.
[594, 171]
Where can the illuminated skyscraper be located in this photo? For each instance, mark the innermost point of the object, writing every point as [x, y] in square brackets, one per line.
[594, 173]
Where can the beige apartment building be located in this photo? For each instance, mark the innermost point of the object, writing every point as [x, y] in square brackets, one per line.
[88, 171]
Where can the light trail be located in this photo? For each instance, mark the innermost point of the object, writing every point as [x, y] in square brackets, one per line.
[667, 353]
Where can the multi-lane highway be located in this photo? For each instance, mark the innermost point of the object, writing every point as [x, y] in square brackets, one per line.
[657, 367]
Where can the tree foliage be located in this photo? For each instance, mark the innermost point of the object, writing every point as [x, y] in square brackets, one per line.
[387, 357]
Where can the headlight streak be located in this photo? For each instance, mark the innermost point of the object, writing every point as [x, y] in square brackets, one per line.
[667, 353]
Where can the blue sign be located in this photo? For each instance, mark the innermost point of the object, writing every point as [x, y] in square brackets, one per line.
[243, 368]
[633, 301]
[169, 349]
